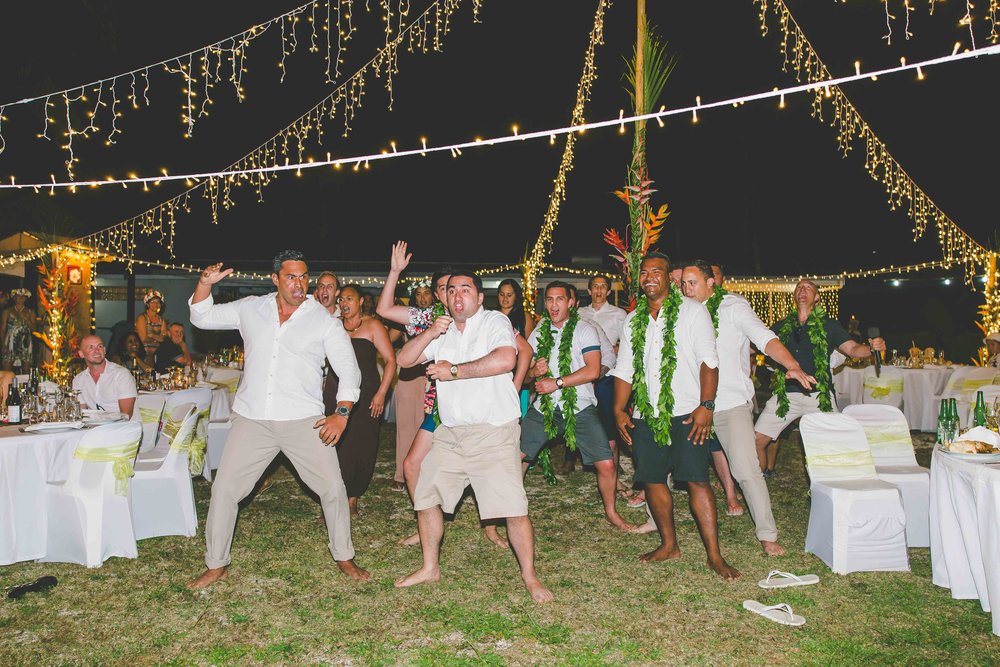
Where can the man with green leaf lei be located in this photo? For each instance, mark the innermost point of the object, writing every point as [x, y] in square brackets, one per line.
[568, 361]
[811, 337]
[667, 364]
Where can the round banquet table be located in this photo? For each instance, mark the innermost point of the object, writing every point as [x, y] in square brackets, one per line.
[28, 461]
[965, 530]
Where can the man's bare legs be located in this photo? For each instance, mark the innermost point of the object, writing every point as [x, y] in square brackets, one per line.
[661, 507]
[522, 539]
[705, 516]
[721, 464]
[430, 528]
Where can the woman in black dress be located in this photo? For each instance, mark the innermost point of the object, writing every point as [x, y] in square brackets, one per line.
[358, 445]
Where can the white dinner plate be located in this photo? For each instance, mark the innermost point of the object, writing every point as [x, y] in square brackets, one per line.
[978, 458]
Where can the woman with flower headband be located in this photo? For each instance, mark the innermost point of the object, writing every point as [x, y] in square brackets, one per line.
[150, 325]
[16, 327]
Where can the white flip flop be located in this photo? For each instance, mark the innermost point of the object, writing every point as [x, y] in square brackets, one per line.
[779, 579]
[779, 613]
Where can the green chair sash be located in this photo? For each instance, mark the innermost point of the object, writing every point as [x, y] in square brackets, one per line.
[121, 456]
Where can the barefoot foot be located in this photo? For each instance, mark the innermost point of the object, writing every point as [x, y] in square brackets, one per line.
[662, 553]
[724, 569]
[421, 576]
[491, 534]
[410, 540]
[539, 593]
[772, 548]
[352, 570]
[209, 577]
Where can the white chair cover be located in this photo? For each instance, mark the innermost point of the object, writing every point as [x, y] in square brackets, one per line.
[148, 411]
[884, 389]
[88, 515]
[162, 492]
[856, 521]
[892, 450]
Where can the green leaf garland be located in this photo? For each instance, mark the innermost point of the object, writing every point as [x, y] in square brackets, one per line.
[546, 340]
[817, 336]
[659, 425]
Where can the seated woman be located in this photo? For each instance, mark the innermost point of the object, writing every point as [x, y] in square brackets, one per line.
[131, 354]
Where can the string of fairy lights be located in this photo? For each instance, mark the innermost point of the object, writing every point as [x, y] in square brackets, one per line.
[259, 167]
[956, 245]
[543, 244]
[201, 70]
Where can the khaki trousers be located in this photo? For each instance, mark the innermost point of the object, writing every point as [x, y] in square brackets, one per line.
[251, 446]
[735, 430]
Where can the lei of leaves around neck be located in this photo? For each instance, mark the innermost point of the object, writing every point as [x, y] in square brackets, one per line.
[568, 394]
[713, 304]
[815, 326]
[437, 310]
[659, 425]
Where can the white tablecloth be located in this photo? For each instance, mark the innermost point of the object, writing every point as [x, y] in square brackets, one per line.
[965, 530]
[920, 385]
[27, 462]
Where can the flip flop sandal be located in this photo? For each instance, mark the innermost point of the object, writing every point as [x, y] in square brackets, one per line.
[779, 579]
[779, 613]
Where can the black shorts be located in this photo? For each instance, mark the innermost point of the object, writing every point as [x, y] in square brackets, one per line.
[686, 461]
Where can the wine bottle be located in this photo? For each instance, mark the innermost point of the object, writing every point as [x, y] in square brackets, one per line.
[13, 404]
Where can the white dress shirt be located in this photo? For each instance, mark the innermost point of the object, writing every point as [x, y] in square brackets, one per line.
[283, 363]
[585, 339]
[114, 384]
[695, 345]
[471, 401]
[609, 318]
[738, 327]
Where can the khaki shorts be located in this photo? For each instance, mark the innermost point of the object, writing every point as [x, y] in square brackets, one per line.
[487, 457]
[799, 405]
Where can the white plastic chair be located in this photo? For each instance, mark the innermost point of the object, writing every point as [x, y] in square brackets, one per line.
[148, 412]
[88, 516]
[884, 389]
[162, 492]
[856, 521]
[888, 437]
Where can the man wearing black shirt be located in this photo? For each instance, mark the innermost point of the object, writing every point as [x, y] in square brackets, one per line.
[801, 402]
[172, 351]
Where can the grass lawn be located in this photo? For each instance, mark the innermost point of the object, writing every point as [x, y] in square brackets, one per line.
[286, 603]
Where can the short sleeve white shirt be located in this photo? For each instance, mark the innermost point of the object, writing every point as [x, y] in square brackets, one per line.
[738, 327]
[114, 384]
[610, 318]
[472, 401]
[694, 334]
[585, 339]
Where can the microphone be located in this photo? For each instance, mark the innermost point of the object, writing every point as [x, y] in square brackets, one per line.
[873, 332]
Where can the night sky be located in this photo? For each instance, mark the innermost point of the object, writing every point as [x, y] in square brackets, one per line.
[763, 190]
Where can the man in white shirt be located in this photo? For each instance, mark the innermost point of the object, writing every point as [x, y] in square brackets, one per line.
[473, 352]
[676, 442]
[584, 365]
[279, 404]
[737, 327]
[104, 385]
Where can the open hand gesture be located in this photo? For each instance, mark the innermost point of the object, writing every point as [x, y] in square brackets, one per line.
[399, 259]
[213, 274]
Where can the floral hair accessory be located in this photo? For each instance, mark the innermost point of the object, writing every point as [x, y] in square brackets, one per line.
[150, 295]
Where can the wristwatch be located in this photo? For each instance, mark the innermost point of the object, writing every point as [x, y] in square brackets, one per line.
[454, 372]
[342, 411]
[560, 383]
[708, 405]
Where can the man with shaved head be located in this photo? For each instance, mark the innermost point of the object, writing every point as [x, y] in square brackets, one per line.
[104, 385]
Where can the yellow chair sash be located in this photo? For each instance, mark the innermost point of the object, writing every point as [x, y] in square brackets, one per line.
[121, 456]
[844, 464]
[883, 388]
[150, 415]
[194, 444]
[229, 384]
